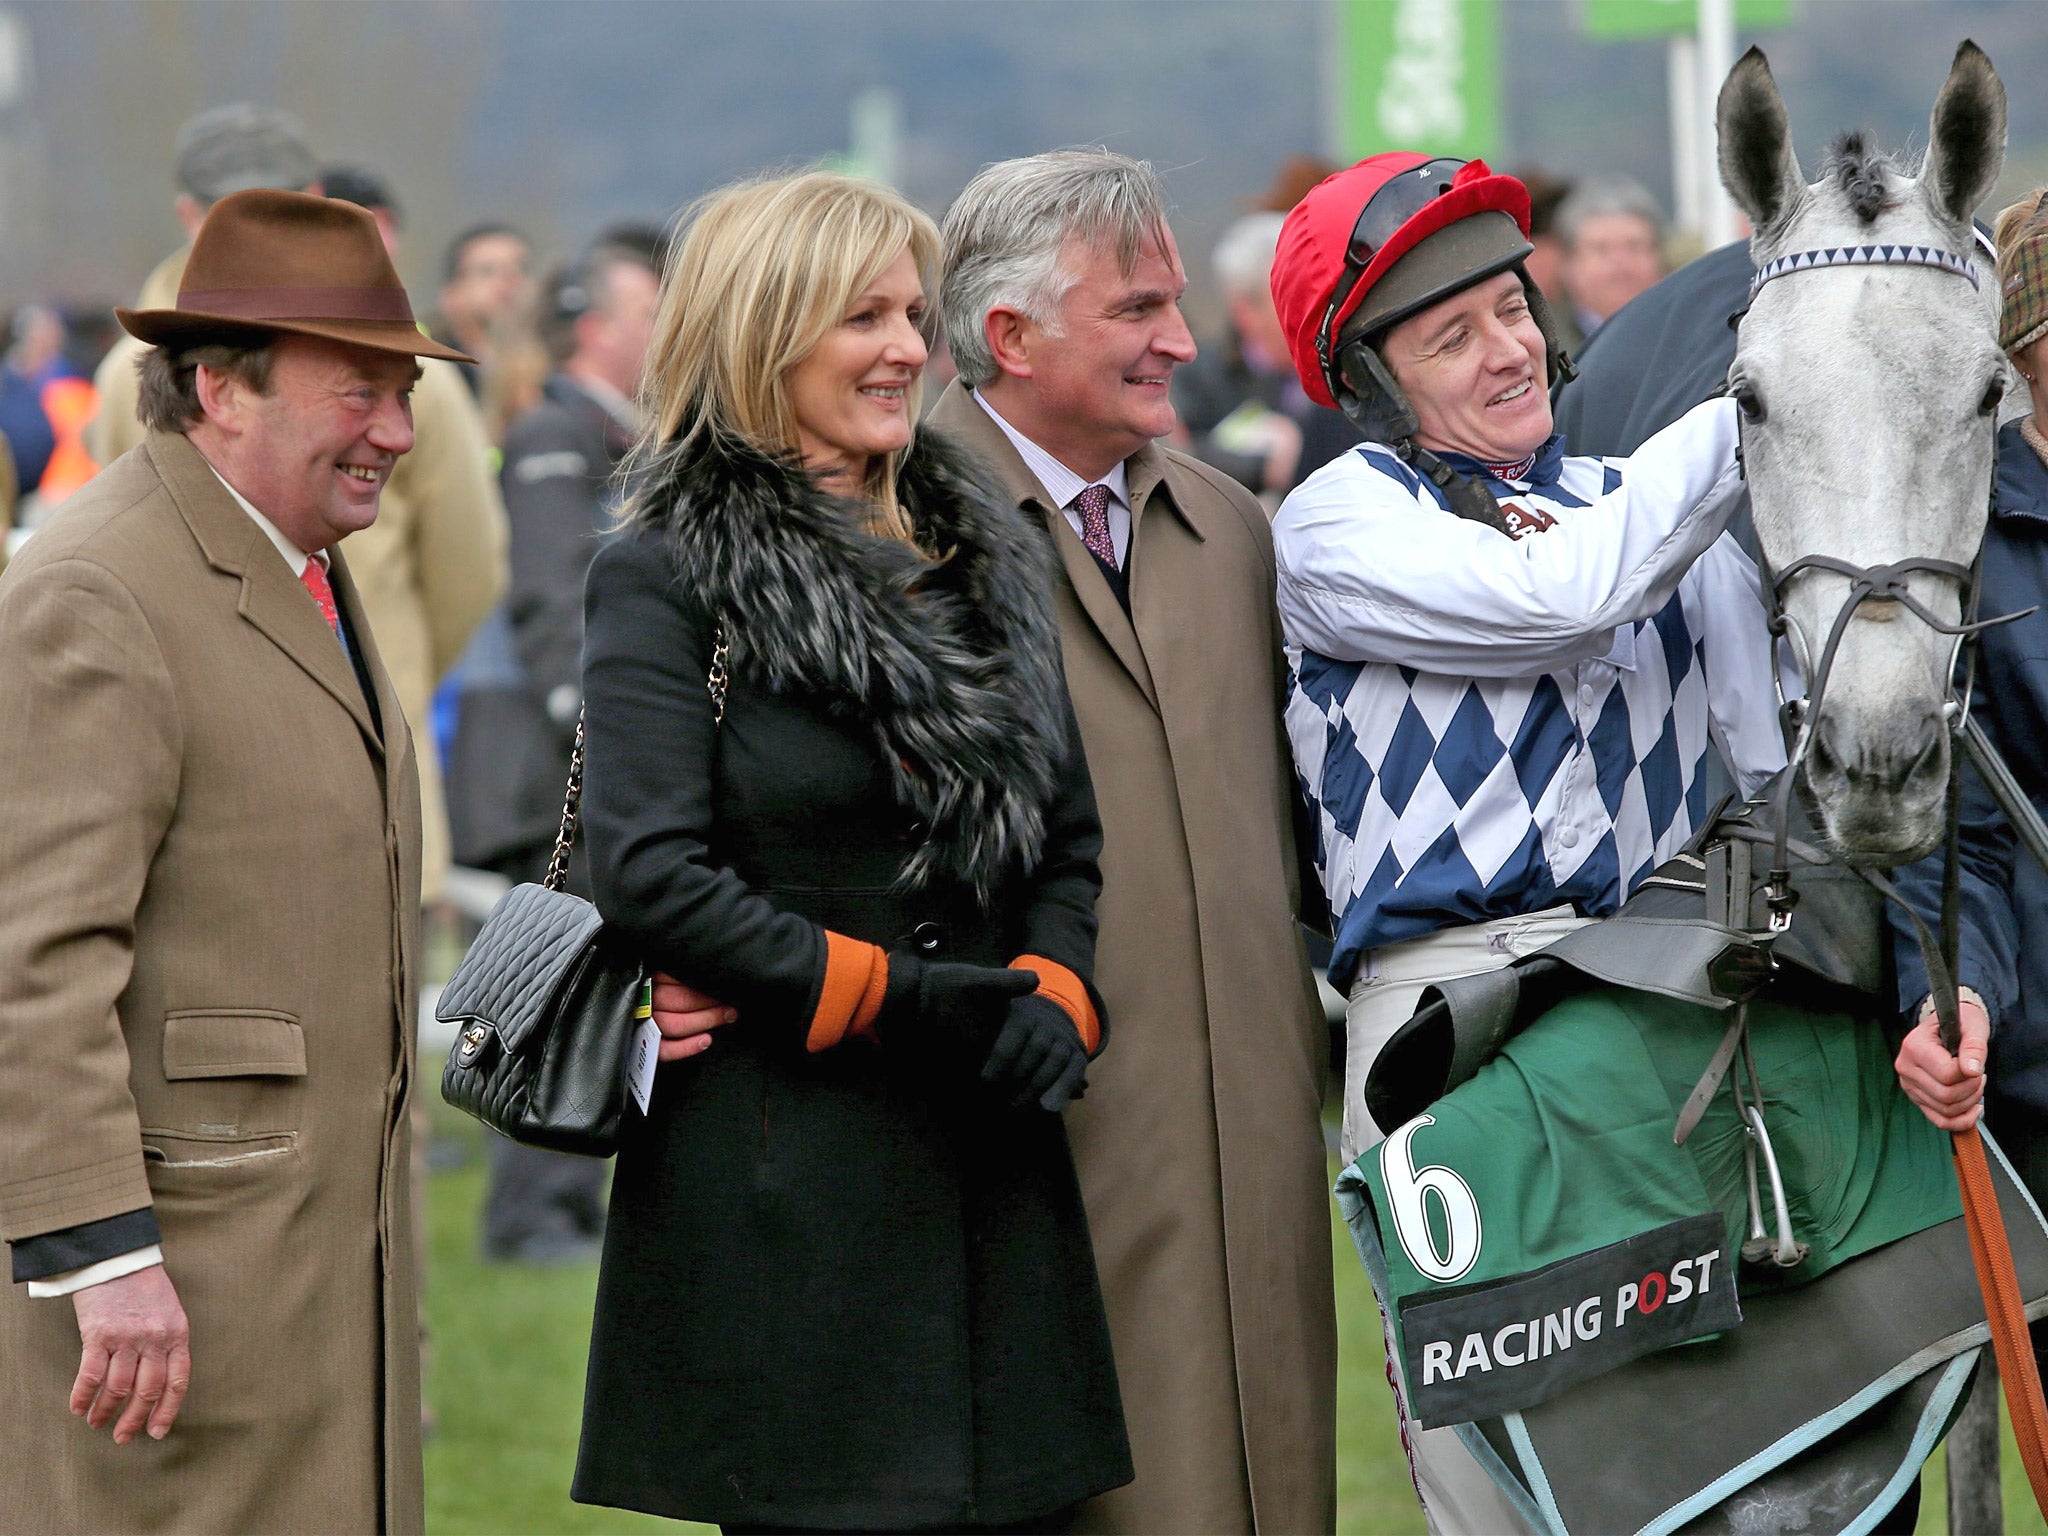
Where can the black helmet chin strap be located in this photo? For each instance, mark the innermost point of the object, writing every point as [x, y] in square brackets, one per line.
[1468, 498]
[1381, 410]
[1366, 392]
[1558, 363]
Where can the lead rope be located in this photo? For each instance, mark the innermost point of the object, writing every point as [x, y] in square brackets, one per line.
[1990, 1248]
[2012, 1345]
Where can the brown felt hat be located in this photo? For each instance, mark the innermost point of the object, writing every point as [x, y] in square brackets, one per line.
[292, 262]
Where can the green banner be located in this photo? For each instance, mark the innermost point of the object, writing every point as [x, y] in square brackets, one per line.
[1420, 74]
[1614, 19]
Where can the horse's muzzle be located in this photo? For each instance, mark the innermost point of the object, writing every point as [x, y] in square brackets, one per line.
[1883, 796]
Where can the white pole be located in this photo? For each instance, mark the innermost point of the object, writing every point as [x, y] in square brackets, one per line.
[875, 133]
[1332, 39]
[1682, 73]
[1717, 58]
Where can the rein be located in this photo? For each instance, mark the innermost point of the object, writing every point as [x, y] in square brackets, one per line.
[1990, 1248]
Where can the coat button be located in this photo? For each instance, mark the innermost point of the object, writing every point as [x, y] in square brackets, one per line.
[928, 937]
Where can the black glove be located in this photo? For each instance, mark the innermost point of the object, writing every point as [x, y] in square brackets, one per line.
[1039, 1054]
[947, 1008]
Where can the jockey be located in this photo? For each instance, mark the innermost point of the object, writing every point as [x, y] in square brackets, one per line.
[1507, 663]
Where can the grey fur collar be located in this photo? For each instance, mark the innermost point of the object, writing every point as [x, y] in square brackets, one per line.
[956, 663]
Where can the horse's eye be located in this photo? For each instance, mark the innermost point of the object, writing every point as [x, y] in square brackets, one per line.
[1749, 402]
[1993, 393]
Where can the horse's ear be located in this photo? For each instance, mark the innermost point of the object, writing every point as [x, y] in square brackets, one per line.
[1758, 166]
[1966, 139]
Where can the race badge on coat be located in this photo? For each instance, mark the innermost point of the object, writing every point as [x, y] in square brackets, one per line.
[643, 1053]
[1523, 519]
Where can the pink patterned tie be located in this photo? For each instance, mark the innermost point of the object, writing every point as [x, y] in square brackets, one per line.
[314, 579]
[1093, 505]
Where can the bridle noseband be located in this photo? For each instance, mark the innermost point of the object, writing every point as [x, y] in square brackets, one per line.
[1868, 583]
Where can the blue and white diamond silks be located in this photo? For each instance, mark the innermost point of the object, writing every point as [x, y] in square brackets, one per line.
[1555, 764]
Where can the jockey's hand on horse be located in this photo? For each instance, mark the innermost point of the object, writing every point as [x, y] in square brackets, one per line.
[1948, 1089]
[686, 1017]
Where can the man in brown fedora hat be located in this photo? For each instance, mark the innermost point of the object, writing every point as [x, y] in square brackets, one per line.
[207, 951]
[434, 564]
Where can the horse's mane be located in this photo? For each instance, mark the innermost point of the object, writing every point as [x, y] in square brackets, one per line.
[1865, 175]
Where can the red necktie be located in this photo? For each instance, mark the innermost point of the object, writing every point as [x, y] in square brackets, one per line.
[1093, 505]
[314, 579]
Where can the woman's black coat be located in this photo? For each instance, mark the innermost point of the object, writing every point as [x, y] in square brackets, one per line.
[845, 1289]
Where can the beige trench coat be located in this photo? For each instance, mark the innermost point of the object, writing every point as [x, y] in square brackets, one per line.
[207, 974]
[428, 569]
[1200, 1143]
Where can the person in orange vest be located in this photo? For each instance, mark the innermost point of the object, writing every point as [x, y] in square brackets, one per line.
[70, 404]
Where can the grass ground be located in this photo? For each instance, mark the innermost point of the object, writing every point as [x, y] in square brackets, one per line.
[506, 1379]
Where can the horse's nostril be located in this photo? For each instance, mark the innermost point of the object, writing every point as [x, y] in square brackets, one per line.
[1930, 759]
[1820, 753]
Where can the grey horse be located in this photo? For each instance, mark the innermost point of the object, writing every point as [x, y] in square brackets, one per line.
[1869, 378]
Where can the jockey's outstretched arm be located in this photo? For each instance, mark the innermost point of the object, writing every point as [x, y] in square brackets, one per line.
[1360, 579]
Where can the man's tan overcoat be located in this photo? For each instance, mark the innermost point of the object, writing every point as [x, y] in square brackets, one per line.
[428, 569]
[208, 902]
[1199, 1144]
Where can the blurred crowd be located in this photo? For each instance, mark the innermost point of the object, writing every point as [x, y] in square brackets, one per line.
[473, 574]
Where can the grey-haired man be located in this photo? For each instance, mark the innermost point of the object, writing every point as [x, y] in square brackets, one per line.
[1199, 1147]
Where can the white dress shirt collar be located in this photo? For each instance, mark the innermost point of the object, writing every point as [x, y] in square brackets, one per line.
[294, 556]
[1062, 485]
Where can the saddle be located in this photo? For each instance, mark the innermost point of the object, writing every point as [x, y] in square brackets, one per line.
[1811, 1400]
[1697, 930]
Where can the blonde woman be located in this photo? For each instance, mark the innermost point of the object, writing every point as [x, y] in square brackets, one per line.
[834, 780]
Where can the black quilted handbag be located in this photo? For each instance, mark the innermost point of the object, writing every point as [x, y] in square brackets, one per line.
[544, 1007]
[545, 1001]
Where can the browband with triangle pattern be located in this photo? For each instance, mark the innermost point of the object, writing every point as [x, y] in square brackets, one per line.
[1866, 256]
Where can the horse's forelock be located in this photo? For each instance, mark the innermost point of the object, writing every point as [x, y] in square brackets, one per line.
[1865, 177]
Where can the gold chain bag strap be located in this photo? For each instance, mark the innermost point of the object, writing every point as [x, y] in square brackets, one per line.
[544, 1002]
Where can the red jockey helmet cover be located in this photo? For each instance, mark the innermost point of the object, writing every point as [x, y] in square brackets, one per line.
[1309, 263]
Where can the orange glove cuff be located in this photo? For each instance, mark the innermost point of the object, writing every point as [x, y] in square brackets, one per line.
[1058, 984]
[856, 976]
